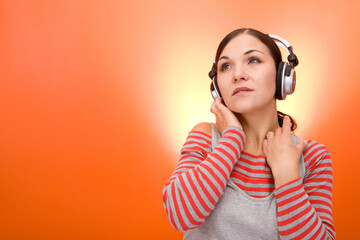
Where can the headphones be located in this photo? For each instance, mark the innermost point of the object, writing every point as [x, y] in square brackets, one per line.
[285, 76]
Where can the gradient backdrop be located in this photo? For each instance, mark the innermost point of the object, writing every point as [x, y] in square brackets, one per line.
[97, 98]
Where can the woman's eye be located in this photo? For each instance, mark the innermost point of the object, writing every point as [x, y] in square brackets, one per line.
[225, 66]
[254, 60]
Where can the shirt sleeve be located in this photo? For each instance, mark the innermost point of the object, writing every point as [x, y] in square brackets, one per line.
[200, 177]
[305, 206]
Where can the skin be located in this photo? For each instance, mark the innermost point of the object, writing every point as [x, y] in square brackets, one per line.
[246, 62]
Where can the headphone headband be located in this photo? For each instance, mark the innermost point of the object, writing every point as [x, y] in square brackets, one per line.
[280, 40]
[285, 44]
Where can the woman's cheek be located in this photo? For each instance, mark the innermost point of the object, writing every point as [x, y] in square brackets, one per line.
[270, 81]
[224, 88]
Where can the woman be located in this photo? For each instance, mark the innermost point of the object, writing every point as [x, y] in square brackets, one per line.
[248, 176]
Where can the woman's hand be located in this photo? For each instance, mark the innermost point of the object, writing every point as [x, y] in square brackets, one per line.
[282, 154]
[224, 116]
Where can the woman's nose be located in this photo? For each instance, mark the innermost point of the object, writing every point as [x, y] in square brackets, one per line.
[240, 74]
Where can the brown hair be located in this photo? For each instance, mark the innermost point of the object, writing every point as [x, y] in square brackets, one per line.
[274, 52]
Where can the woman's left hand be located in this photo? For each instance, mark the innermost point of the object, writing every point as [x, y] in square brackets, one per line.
[282, 154]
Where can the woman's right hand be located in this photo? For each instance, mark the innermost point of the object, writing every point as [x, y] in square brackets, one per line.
[224, 116]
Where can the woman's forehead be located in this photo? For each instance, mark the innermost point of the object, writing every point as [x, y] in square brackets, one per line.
[243, 43]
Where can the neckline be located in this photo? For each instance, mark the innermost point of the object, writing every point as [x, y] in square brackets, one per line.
[243, 193]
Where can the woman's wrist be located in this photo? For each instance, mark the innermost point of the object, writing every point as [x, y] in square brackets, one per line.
[285, 175]
[233, 127]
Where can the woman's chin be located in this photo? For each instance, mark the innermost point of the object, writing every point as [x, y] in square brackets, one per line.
[241, 110]
[246, 107]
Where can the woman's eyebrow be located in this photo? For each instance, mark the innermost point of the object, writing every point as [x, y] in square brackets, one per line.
[253, 50]
[246, 53]
[223, 57]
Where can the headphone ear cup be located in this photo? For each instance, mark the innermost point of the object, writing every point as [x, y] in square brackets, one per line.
[214, 88]
[289, 81]
[280, 81]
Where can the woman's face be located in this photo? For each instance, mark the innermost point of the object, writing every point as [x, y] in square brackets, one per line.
[246, 75]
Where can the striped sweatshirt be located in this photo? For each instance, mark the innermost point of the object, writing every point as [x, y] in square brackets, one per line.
[304, 208]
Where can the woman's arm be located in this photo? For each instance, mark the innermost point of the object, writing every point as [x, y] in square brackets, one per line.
[305, 208]
[200, 177]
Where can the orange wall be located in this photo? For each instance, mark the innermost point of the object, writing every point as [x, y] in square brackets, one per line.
[96, 99]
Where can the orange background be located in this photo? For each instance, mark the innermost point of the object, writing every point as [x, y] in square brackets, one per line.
[97, 97]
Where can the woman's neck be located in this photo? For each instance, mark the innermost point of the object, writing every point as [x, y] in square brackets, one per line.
[255, 126]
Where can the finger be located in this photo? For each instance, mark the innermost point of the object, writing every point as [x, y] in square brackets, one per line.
[286, 124]
[218, 101]
[303, 145]
[219, 105]
[265, 145]
[270, 135]
[214, 109]
[278, 131]
[300, 146]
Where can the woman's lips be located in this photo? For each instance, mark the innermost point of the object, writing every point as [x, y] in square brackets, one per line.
[242, 91]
